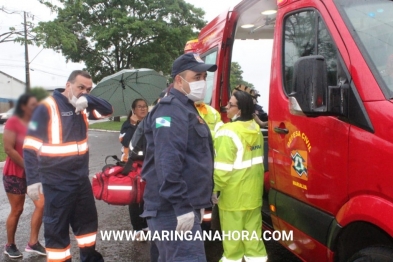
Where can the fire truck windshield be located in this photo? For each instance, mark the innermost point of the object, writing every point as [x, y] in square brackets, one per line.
[371, 24]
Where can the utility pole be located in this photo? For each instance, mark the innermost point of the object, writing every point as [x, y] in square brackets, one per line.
[26, 58]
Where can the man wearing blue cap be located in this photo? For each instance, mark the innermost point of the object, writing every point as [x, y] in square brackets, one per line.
[178, 166]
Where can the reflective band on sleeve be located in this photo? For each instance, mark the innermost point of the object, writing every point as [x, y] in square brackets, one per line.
[248, 163]
[32, 143]
[54, 126]
[86, 240]
[58, 254]
[68, 149]
[223, 166]
[239, 163]
[257, 160]
[120, 188]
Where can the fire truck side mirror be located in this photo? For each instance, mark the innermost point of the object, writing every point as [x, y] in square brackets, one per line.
[310, 88]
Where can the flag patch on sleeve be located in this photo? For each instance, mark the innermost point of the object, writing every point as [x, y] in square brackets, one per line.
[164, 121]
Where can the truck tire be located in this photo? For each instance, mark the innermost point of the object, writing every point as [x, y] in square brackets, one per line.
[373, 254]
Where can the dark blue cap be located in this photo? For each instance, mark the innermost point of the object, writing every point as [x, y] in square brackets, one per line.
[193, 62]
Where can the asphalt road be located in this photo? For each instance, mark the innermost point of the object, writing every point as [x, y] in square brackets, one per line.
[109, 218]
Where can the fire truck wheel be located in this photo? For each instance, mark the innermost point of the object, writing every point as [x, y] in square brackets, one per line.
[373, 254]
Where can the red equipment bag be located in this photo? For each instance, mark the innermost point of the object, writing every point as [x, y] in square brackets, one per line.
[115, 188]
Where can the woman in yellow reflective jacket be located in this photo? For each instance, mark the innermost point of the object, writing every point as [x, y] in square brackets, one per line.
[238, 177]
[211, 116]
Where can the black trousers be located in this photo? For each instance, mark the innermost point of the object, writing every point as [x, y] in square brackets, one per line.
[73, 205]
[137, 222]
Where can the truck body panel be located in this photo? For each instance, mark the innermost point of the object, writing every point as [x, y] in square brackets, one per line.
[329, 173]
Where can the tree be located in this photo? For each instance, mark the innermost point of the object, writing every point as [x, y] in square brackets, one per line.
[110, 35]
[16, 34]
[236, 77]
[39, 92]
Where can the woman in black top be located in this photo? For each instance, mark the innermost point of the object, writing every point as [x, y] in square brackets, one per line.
[137, 114]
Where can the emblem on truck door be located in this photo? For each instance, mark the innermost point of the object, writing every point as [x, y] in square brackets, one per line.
[299, 164]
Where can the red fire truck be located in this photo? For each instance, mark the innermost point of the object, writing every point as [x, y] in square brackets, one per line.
[330, 133]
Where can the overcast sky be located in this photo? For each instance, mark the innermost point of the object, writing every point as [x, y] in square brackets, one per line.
[51, 69]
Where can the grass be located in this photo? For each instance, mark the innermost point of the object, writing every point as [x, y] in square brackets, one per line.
[2, 153]
[108, 125]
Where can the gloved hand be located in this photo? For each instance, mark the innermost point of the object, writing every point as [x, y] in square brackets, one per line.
[185, 222]
[202, 213]
[34, 191]
[214, 198]
[81, 104]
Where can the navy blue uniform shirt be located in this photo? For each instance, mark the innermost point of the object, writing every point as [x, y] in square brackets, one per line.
[63, 160]
[178, 166]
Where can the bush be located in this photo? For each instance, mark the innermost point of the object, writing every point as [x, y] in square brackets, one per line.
[3, 155]
[39, 92]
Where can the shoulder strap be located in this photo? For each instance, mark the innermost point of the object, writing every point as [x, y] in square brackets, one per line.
[128, 166]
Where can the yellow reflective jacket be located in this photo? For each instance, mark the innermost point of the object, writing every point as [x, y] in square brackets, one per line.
[211, 116]
[238, 166]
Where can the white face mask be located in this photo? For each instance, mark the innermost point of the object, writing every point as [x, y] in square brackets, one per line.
[197, 90]
[234, 117]
[73, 99]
